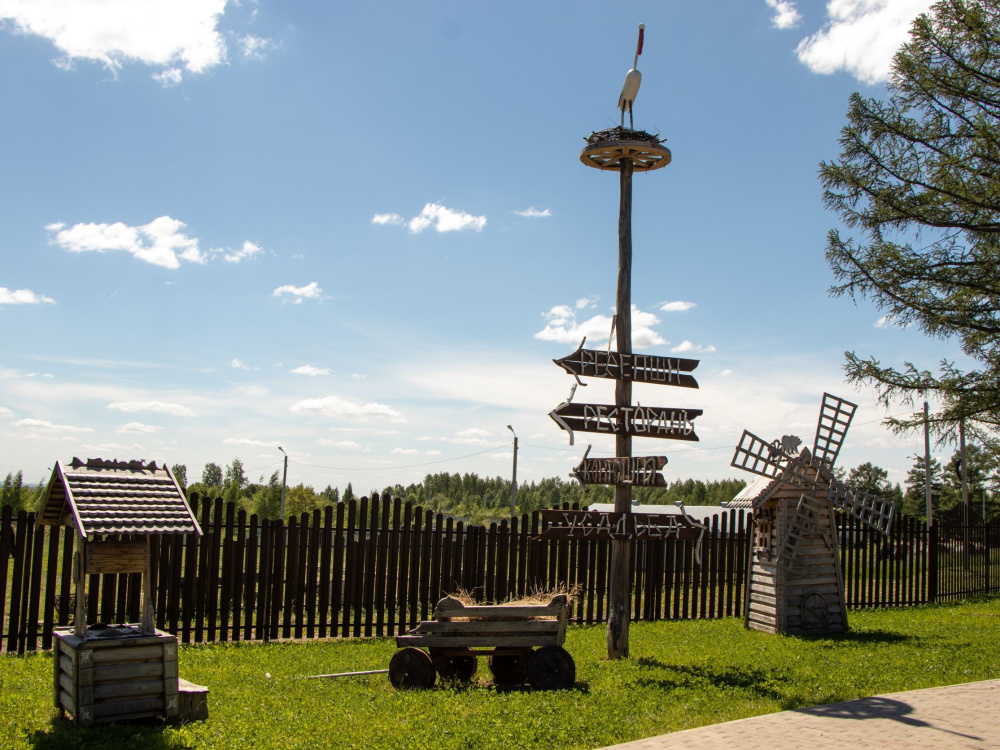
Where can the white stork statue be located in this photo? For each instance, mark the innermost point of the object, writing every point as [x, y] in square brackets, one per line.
[632, 80]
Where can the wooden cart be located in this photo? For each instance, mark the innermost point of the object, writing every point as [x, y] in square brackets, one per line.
[523, 644]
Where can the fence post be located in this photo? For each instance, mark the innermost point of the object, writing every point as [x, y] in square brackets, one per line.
[932, 556]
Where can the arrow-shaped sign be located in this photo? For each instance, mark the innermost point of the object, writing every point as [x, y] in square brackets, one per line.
[583, 524]
[640, 421]
[639, 368]
[638, 471]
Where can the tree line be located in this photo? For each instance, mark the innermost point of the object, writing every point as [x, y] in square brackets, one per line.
[480, 500]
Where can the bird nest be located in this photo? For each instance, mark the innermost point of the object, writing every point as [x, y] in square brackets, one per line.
[622, 134]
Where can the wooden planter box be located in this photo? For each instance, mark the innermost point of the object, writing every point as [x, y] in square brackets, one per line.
[99, 680]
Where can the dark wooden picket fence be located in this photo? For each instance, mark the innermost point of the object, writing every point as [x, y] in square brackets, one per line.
[376, 566]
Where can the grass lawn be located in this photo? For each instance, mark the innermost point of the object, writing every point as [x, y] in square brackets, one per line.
[681, 675]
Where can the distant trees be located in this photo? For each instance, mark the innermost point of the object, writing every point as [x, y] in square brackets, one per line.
[180, 472]
[212, 475]
[19, 496]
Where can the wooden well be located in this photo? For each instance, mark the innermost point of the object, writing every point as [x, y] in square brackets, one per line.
[105, 672]
[118, 678]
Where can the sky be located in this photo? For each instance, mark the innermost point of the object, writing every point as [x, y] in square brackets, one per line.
[362, 231]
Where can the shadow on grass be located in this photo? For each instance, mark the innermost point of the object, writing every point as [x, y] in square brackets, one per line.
[138, 735]
[760, 682]
[880, 637]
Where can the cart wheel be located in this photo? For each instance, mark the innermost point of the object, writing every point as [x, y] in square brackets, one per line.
[411, 668]
[551, 668]
[461, 666]
[510, 667]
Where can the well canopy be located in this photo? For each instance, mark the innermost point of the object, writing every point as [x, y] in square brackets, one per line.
[116, 497]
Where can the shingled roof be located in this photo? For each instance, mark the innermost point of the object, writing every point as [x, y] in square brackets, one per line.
[116, 497]
[760, 490]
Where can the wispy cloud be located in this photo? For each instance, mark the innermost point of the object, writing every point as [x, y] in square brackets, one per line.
[345, 445]
[405, 451]
[441, 218]
[153, 32]
[249, 441]
[338, 407]
[42, 424]
[687, 346]
[786, 15]
[860, 37]
[534, 213]
[154, 406]
[5, 412]
[562, 326]
[248, 250]
[676, 306]
[22, 297]
[137, 428]
[310, 370]
[298, 293]
[255, 47]
[238, 364]
[584, 302]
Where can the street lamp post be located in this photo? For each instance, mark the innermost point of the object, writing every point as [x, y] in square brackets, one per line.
[284, 480]
[513, 478]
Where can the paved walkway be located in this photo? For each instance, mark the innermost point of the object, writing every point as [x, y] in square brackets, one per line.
[959, 716]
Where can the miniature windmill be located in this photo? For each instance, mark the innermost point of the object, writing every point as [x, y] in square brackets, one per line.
[795, 583]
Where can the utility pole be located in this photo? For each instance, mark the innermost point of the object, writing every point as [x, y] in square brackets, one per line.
[284, 481]
[927, 465]
[966, 519]
[513, 476]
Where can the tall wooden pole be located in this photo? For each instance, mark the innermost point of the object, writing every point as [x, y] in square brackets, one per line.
[621, 552]
[927, 465]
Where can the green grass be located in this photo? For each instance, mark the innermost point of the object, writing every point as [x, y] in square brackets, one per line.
[681, 675]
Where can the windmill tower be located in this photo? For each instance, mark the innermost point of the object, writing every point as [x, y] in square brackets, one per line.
[795, 582]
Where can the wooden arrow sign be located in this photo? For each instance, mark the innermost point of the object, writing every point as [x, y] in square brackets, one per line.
[638, 471]
[638, 421]
[639, 368]
[591, 524]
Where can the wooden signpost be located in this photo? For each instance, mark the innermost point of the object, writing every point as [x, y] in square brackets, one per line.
[645, 421]
[624, 151]
[638, 368]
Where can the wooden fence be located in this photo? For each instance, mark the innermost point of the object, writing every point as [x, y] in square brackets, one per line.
[376, 566]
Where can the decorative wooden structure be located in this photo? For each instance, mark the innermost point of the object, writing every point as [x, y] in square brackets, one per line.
[523, 643]
[127, 671]
[794, 582]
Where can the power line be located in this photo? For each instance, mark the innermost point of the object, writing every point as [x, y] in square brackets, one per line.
[406, 466]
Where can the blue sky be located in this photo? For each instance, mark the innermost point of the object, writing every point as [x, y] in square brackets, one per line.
[362, 231]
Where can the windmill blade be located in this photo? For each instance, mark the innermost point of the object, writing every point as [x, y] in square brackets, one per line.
[872, 510]
[835, 415]
[758, 456]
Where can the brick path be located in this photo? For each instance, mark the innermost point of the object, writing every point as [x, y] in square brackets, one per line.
[959, 716]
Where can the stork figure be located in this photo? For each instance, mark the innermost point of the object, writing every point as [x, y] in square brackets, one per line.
[632, 80]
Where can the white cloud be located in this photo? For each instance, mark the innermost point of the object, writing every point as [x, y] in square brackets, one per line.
[584, 302]
[861, 37]
[125, 450]
[248, 441]
[342, 444]
[255, 47]
[335, 406]
[22, 297]
[5, 412]
[687, 346]
[725, 373]
[786, 15]
[298, 293]
[563, 327]
[471, 436]
[248, 250]
[445, 220]
[160, 242]
[676, 306]
[432, 453]
[391, 219]
[157, 407]
[238, 364]
[137, 428]
[310, 370]
[41, 424]
[533, 213]
[884, 322]
[168, 78]
[405, 451]
[163, 33]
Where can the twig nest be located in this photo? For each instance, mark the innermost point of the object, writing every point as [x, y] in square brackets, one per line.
[606, 148]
